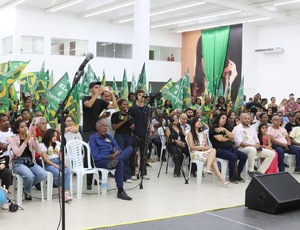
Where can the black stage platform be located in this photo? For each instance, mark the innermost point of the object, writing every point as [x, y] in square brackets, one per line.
[238, 218]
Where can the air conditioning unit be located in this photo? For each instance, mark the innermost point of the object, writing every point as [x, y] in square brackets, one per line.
[275, 50]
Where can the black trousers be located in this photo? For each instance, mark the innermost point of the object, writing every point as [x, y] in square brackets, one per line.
[139, 143]
[5, 175]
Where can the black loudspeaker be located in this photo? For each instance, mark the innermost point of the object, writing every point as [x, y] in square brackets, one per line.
[273, 193]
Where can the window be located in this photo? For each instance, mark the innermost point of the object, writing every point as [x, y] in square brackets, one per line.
[162, 53]
[69, 47]
[32, 45]
[114, 50]
[7, 45]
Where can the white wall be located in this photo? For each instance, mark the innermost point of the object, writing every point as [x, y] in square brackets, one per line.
[37, 23]
[274, 74]
[249, 59]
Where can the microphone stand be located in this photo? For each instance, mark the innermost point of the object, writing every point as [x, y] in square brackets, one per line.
[62, 111]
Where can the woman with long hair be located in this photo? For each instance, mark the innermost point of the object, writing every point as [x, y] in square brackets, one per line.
[52, 158]
[265, 142]
[221, 139]
[201, 150]
[178, 147]
[24, 145]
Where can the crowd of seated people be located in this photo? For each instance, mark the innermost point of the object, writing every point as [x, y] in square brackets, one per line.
[259, 129]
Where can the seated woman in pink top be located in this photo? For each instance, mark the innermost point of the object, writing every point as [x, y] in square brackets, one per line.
[265, 142]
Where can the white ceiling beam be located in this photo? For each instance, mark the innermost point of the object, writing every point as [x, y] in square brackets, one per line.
[179, 20]
[164, 9]
[254, 10]
[217, 24]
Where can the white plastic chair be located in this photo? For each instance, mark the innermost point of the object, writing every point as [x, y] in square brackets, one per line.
[70, 136]
[200, 164]
[49, 181]
[18, 183]
[76, 150]
[223, 162]
[291, 161]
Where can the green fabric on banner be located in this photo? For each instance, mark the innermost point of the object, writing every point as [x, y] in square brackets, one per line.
[175, 94]
[214, 45]
[88, 77]
[239, 101]
[186, 103]
[124, 87]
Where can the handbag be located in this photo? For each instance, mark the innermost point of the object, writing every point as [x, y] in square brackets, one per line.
[200, 155]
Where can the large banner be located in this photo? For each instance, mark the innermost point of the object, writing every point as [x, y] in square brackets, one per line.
[217, 64]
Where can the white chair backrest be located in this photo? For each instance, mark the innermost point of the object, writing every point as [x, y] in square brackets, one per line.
[161, 135]
[70, 136]
[206, 132]
[76, 150]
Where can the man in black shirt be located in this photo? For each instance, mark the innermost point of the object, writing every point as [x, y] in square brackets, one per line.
[140, 114]
[92, 106]
[292, 123]
[254, 105]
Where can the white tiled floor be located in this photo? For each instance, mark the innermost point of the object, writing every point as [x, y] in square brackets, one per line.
[161, 197]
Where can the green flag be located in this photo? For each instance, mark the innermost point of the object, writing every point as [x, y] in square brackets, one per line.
[56, 95]
[103, 79]
[166, 87]
[141, 84]
[51, 80]
[124, 87]
[175, 94]
[13, 73]
[186, 92]
[29, 81]
[13, 96]
[133, 85]
[239, 101]
[88, 77]
[73, 105]
[4, 96]
[42, 87]
[4, 67]
[40, 74]
[114, 86]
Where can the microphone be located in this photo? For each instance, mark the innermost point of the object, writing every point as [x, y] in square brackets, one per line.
[88, 57]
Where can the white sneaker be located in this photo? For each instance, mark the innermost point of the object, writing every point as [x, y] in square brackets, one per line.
[134, 178]
[146, 177]
[5, 206]
[128, 181]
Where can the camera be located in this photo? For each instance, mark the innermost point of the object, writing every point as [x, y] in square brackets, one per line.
[130, 119]
[28, 163]
[152, 97]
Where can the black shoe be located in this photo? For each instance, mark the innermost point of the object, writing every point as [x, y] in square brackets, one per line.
[112, 164]
[176, 175]
[123, 196]
[111, 175]
[251, 174]
[28, 196]
[233, 180]
[89, 187]
[240, 179]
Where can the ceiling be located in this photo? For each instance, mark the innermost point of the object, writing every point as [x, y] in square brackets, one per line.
[177, 15]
